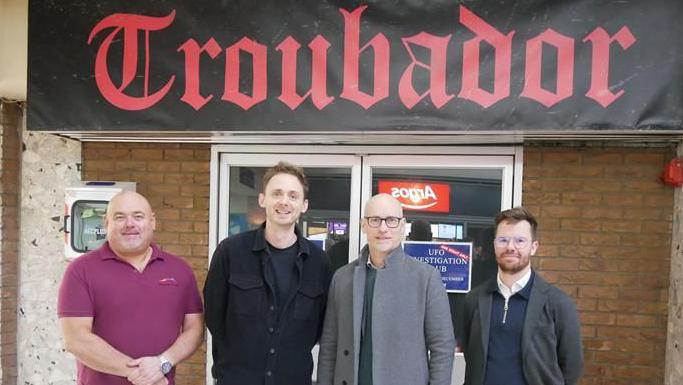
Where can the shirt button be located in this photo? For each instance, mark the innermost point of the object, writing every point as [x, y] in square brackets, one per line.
[271, 330]
[269, 373]
[272, 308]
[343, 382]
[272, 350]
[346, 352]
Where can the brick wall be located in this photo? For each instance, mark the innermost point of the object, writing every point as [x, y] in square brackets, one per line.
[10, 120]
[175, 179]
[605, 231]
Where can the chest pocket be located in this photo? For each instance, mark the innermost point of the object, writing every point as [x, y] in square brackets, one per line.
[308, 301]
[247, 294]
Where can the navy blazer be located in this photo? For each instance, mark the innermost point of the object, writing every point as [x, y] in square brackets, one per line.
[551, 337]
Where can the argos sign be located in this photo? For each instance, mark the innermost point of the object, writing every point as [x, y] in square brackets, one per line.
[419, 196]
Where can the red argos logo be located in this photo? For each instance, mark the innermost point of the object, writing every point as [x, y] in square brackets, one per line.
[419, 196]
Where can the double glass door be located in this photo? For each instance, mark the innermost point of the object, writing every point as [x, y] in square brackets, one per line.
[447, 197]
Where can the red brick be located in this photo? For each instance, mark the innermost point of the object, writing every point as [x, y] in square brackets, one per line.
[599, 239]
[657, 227]
[180, 179]
[194, 166]
[179, 154]
[559, 264]
[581, 198]
[561, 185]
[561, 157]
[598, 318]
[129, 165]
[658, 200]
[644, 158]
[180, 202]
[176, 226]
[147, 154]
[164, 166]
[630, 199]
[561, 212]
[580, 225]
[621, 227]
[599, 292]
[572, 172]
[602, 158]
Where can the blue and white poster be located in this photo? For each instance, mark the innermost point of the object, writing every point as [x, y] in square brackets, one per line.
[452, 259]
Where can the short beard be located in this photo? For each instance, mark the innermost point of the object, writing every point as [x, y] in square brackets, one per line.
[514, 269]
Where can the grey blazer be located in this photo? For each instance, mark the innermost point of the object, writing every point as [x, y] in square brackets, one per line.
[412, 332]
[551, 336]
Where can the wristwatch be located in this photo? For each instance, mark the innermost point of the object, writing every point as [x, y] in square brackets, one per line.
[166, 365]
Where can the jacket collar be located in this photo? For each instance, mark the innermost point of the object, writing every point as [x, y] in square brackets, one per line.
[391, 260]
[260, 243]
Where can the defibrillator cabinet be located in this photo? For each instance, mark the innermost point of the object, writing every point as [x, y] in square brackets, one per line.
[84, 208]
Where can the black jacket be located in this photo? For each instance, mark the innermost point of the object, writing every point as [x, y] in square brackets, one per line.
[254, 342]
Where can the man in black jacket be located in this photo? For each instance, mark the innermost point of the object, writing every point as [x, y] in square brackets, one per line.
[518, 329]
[266, 291]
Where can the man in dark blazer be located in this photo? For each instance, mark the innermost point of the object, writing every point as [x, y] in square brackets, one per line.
[518, 329]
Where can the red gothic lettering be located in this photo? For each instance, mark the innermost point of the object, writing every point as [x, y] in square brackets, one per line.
[352, 51]
[259, 84]
[502, 44]
[564, 84]
[437, 71]
[318, 91]
[125, 30]
[599, 90]
[130, 25]
[192, 53]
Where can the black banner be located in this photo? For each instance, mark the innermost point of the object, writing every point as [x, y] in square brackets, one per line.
[321, 65]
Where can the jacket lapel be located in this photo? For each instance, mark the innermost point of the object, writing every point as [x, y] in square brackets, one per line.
[537, 299]
[485, 300]
[358, 295]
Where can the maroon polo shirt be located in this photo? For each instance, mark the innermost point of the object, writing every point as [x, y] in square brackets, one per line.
[139, 314]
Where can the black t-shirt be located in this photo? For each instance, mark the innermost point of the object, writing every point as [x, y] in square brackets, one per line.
[283, 264]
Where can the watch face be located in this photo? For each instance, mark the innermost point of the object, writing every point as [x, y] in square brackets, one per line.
[165, 367]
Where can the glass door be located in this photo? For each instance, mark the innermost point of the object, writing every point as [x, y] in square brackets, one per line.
[446, 198]
[450, 195]
[448, 202]
[332, 219]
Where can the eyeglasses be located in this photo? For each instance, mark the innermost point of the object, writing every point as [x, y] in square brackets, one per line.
[519, 242]
[392, 222]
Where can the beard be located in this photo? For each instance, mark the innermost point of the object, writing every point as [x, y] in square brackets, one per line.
[513, 268]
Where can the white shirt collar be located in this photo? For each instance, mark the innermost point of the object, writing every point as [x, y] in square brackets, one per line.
[371, 265]
[517, 286]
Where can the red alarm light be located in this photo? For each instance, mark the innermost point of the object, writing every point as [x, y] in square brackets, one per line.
[673, 173]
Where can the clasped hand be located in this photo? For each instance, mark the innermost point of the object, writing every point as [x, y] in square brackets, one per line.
[146, 371]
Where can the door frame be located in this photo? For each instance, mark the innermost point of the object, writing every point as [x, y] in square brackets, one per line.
[361, 178]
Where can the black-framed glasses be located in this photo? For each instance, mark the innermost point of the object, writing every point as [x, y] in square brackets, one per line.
[392, 222]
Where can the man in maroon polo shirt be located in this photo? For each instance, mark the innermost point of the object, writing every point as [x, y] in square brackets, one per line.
[129, 311]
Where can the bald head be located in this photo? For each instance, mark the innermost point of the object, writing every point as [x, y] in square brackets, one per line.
[384, 202]
[130, 224]
[126, 198]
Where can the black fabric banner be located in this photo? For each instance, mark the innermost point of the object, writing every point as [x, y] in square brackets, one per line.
[321, 65]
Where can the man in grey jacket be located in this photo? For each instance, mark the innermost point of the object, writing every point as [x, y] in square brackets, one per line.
[388, 320]
[517, 328]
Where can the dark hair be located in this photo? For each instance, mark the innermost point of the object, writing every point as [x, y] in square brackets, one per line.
[518, 214]
[420, 230]
[286, 168]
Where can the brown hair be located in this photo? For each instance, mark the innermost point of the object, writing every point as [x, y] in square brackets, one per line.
[518, 214]
[286, 168]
